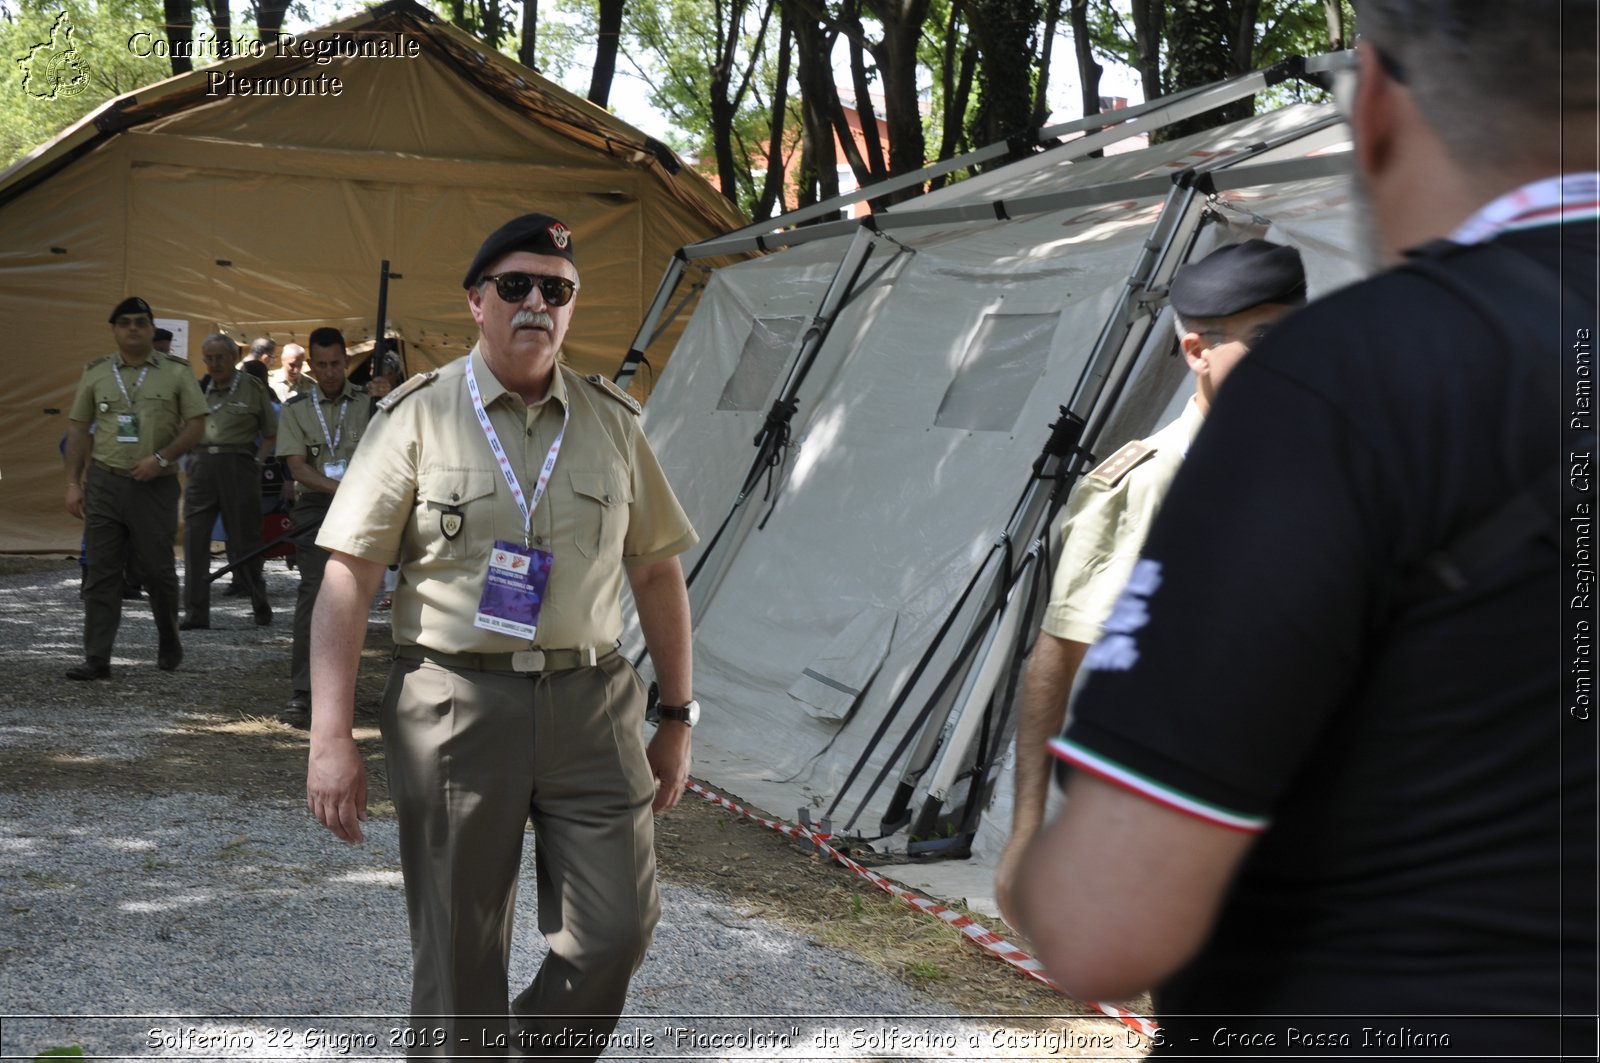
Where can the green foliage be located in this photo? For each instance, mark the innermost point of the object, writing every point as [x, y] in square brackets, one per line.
[64, 1052]
[92, 64]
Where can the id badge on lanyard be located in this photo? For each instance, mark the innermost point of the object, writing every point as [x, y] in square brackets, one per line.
[517, 574]
[513, 590]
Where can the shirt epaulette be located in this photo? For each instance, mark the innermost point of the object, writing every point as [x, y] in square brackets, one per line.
[1116, 467]
[97, 361]
[613, 391]
[296, 397]
[421, 380]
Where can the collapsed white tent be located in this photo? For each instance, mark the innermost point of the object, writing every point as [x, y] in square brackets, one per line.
[861, 614]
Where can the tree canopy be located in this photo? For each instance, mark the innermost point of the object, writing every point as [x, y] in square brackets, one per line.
[774, 97]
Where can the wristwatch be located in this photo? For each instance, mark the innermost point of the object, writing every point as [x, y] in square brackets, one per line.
[162, 460]
[689, 714]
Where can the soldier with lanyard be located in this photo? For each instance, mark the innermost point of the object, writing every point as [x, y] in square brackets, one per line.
[224, 479]
[317, 434]
[123, 481]
[516, 495]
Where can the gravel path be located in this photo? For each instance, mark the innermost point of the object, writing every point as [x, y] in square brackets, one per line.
[200, 926]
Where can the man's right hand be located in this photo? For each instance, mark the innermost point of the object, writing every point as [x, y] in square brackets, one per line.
[336, 787]
[75, 500]
[1005, 874]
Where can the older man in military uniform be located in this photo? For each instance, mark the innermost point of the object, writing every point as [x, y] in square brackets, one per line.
[225, 480]
[290, 379]
[1222, 305]
[122, 480]
[507, 697]
[317, 435]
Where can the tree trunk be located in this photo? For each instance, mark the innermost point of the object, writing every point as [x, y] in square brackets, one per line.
[1149, 24]
[1041, 96]
[1004, 31]
[489, 22]
[605, 52]
[1335, 12]
[819, 106]
[222, 26]
[269, 18]
[772, 186]
[866, 116]
[1204, 45]
[897, 68]
[1089, 71]
[528, 51]
[180, 33]
[955, 88]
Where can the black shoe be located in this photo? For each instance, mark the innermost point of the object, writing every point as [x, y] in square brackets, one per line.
[169, 657]
[233, 591]
[297, 713]
[90, 669]
[193, 625]
[263, 614]
[131, 591]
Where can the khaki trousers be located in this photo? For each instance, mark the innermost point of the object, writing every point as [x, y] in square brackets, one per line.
[471, 757]
[229, 485]
[126, 519]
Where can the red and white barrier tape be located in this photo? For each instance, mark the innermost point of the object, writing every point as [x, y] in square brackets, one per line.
[984, 939]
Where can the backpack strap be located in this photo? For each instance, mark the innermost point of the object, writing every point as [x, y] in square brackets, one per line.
[1483, 276]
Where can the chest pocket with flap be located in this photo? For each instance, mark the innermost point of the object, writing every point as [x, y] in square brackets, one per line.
[601, 511]
[458, 500]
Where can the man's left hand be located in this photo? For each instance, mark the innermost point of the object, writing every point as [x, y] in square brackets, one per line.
[147, 469]
[668, 754]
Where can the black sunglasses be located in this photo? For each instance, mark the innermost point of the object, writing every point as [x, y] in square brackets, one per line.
[514, 287]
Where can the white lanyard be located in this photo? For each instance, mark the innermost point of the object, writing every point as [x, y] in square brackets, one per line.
[331, 439]
[1570, 197]
[523, 504]
[231, 389]
[116, 371]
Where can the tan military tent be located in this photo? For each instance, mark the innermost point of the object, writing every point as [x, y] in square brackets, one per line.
[247, 197]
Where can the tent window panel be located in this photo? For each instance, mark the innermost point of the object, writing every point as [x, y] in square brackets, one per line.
[1002, 365]
[766, 352]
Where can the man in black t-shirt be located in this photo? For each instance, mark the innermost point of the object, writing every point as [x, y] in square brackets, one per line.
[1328, 799]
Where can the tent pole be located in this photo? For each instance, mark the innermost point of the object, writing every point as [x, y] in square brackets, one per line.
[641, 339]
[1108, 127]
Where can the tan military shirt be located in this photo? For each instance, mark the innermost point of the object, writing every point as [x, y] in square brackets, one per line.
[286, 391]
[426, 492]
[166, 397]
[300, 432]
[1108, 518]
[241, 412]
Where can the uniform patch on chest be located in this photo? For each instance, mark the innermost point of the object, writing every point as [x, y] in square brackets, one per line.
[451, 521]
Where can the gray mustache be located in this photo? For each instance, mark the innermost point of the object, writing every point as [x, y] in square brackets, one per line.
[537, 318]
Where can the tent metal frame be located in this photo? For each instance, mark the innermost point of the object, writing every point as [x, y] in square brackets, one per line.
[1000, 614]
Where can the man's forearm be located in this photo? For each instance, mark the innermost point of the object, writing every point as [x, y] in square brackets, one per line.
[663, 603]
[1052, 667]
[193, 431]
[79, 445]
[338, 632]
[309, 477]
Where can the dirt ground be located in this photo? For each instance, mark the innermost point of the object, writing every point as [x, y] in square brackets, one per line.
[233, 746]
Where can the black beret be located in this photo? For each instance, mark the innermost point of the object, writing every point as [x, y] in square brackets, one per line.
[132, 305]
[538, 233]
[1238, 277]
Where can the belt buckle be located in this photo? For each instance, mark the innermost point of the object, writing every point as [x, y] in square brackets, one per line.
[527, 661]
[213, 450]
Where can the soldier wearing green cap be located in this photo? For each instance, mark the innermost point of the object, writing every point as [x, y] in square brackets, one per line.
[122, 480]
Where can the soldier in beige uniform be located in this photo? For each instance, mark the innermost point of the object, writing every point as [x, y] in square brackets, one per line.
[317, 435]
[225, 479]
[290, 378]
[507, 699]
[1222, 305]
[122, 480]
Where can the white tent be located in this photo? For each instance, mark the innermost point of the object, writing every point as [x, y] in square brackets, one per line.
[861, 614]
